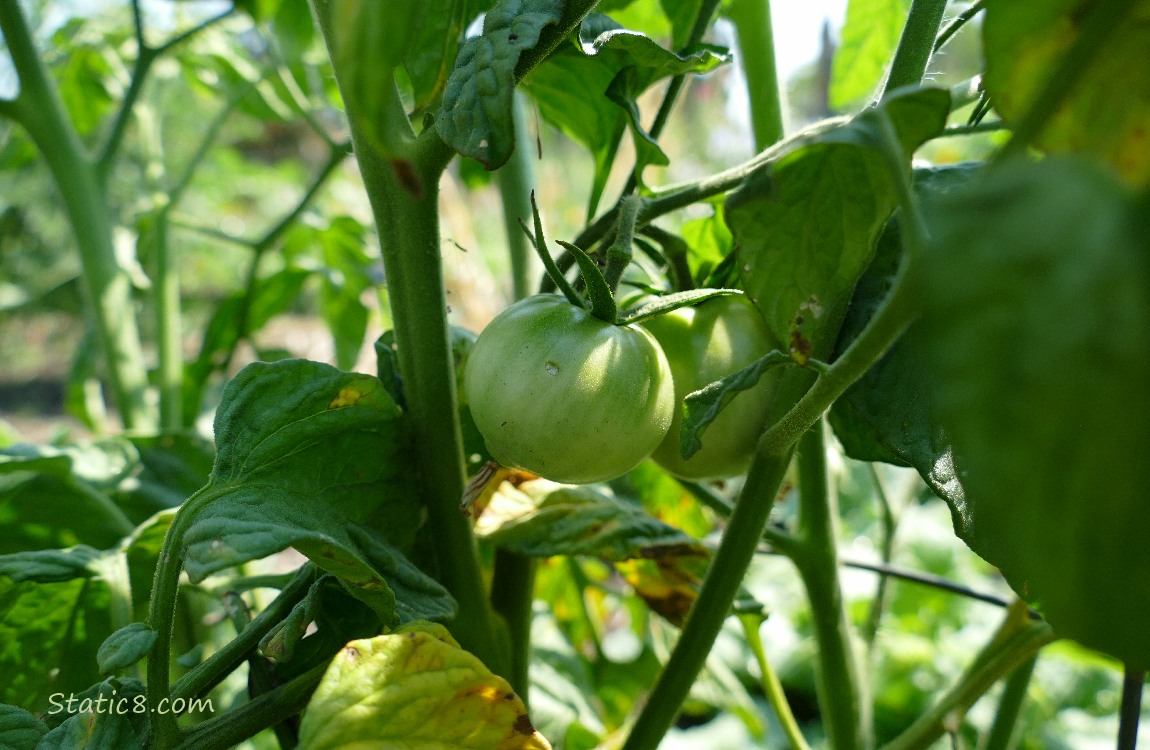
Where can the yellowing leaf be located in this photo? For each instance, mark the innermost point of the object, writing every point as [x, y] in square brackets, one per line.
[1107, 114]
[415, 689]
[669, 585]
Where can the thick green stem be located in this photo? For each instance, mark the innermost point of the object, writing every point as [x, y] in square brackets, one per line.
[725, 574]
[39, 109]
[516, 180]
[756, 43]
[843, 698]
[916, 44]
[619, 253]
[405, 203]
[512, 594]
[772, 688]
[233, 727]
[1002, 731]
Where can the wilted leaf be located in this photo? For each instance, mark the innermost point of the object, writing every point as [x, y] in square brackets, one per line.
[668, 584]
[416, 688]
[540, 518]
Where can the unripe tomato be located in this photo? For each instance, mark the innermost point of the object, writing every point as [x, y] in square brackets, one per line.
[565, 395]
[702, 345]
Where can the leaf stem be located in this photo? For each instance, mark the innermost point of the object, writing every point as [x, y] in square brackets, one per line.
[207, 674]
[779, 539]
[756, 43]
[721, 584]
[619, 253]
[1005, 724]
[957, 23]
[845, 707]
[772, 688]
[916, 44]
[1132, 681]
[1014, 643]
[886, 547]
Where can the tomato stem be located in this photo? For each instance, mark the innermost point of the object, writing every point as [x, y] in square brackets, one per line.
[916, 45]
[619, 252]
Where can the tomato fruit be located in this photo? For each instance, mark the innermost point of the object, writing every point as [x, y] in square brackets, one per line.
[565, 395]
[702, 345]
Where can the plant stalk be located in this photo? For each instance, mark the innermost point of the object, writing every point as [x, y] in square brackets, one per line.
[772, 688]
[1003, 730]
[512, 594]
[721, 584]
[1132, 681]
[108, 289]
[516, 180]
[756, 44]
[916, 44]
[843, 698]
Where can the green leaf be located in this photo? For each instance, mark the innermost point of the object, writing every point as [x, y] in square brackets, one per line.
[49, 634]
[886, 415]
[1037, 329]
[1107, 112]
[102, 463]
[806, 225]
[49, 566]
[310, 457]
[39, 511]
[869, 38]
[417, 688]
[125, 647]
[598, 292]
[437, 43]
[476, 117]
[19, 729]
[542, 519]
[570, 86]
[107, 717]
[668, 302]
[703, 406]
[280, 642]
[709, 241]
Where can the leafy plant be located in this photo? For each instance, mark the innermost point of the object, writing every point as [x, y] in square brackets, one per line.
[307, 578]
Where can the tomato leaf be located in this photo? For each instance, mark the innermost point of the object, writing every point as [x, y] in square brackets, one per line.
[702, 407]
[125, 647]
[436, 44]
[1037, 330]
[91, 727]
[325, 460]
[415, 687]
[50, 566]
[669, 302]
[806, 224]
[476, 117]
[1107, 113]
[613, 63]
[869, 38]
[280, 642]
[539, 518]
[19, 729]
[886, 416]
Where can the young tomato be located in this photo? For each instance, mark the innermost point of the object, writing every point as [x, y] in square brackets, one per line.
[565, 395]
[704, 344]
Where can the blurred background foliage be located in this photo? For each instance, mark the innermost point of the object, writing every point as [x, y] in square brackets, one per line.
[251, 102]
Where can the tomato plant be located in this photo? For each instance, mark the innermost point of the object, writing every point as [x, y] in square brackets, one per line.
[703, 344]
[558, 392]
[233, 545]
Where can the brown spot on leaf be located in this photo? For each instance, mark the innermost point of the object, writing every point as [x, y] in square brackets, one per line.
[351, 652]
[523, 725]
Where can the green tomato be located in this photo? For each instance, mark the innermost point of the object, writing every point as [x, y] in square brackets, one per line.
[703, 344]
[565, 395]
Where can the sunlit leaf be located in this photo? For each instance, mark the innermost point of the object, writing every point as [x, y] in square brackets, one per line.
[418, 688]
[869, 38]
[1107, 113]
